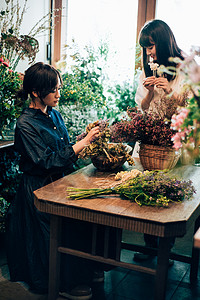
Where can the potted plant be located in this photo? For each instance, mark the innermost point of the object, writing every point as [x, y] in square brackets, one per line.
[154, 135]
[14, 47]
[10, 82]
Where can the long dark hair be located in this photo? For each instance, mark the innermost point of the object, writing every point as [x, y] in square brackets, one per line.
[40, 78]
[158, 33]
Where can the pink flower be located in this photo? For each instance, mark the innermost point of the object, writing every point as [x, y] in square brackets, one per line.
[177, 141]
[5, 63]
[1, 59]
[194, 73]
[178, 119]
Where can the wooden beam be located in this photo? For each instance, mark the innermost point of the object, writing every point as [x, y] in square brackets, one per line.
[56, 53]
[151, 10]
[146, 12]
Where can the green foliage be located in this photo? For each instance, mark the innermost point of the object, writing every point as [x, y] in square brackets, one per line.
[192, 122]
[76, 118]
[122, 97]
[82, 98]
[10, 174]
[9, 83]
[4, 205]
[79, 91]
[86, 95]
[9, 181]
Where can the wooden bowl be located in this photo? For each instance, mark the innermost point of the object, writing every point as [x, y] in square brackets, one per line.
[102, 163]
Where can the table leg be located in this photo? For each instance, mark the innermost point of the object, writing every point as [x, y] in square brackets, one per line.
[54, 257]
[195, 257]
[162, 268]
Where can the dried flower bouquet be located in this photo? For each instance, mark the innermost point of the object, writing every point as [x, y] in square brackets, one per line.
[101, 146]
[146, 128]
[151, 188]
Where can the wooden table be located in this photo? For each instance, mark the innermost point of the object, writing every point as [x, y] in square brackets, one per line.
[121, 214]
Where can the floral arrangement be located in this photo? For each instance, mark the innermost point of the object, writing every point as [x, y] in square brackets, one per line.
[15, 46]
[10, 82]
[186, 121]
[144, 127]
[100, 145]
[151, 188]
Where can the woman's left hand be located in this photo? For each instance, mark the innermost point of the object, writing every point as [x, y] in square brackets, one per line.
[163, 83]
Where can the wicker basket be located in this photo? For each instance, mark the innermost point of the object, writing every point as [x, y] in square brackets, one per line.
[158, 158]
[102, 163]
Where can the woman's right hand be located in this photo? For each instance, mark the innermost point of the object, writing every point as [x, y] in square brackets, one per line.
[94, 132]
[149, 82]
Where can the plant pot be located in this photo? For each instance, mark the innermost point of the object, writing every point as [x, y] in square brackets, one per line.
[158, 158]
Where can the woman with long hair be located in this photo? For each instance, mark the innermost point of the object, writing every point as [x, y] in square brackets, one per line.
[159, 94]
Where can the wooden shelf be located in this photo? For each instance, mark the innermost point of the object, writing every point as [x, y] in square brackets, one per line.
[4, 144]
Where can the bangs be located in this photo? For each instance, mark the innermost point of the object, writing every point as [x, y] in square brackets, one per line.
[146, 41]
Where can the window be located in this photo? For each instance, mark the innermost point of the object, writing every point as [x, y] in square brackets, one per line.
[110, 21]
[183, 18]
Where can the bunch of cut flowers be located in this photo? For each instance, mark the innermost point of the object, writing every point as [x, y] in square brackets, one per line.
[150, 188]
[186, 121]
[101, 146]
[146, 128]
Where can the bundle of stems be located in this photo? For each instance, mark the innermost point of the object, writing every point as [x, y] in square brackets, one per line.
[151, 188]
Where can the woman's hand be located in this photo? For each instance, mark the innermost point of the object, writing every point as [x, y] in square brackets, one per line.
[163, 83]
[94, 132]
[149, 83]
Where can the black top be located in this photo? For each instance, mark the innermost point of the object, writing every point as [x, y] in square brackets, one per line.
[43, 142]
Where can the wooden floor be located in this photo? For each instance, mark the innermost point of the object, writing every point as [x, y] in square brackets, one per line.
[119, 284]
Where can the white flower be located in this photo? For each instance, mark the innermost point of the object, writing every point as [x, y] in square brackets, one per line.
[153, 66]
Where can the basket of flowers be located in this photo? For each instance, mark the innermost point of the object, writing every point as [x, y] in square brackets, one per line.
[105, 156]
[154, 157]
[154, 135]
